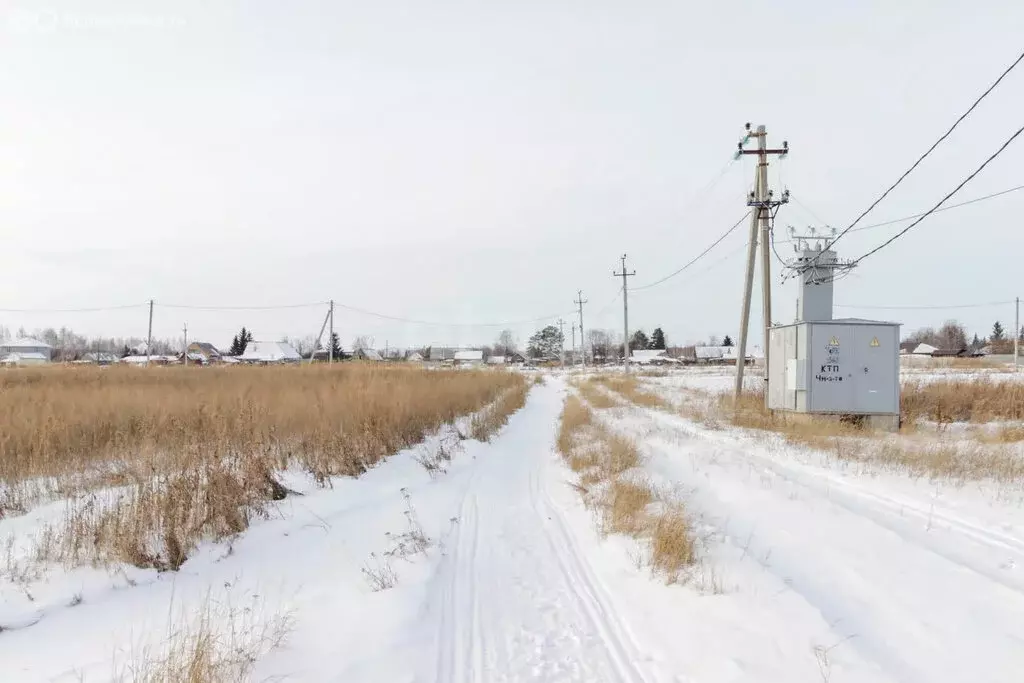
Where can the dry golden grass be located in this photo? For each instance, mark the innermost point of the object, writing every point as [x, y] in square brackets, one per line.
[626, 504]
[575, 416]
[595, 395]
[215, 645]
[962, 400]
[192, 452]
[629, 388]
[960, 458]
[611, 485]
[673, 542]
[487, 421]
[1009, 433]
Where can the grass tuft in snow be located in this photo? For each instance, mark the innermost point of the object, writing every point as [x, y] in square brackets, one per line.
[626, 502]
[487, 421]
[218, 643]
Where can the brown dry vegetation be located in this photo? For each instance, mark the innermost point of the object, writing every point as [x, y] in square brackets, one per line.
[155, 460]
[962, 400]
[922, 454]
[626, 501]
[629, 388]
[595, 395]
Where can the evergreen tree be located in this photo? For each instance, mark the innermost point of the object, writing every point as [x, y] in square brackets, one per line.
[125, 352]
[639, 341]
[658, 339]
[546, 343]
[336, 347]
[239, 342]
[997, 332]
[727, 341]
[976, 343]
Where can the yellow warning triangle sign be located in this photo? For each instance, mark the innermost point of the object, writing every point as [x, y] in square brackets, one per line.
[834, 341]
[874, 341]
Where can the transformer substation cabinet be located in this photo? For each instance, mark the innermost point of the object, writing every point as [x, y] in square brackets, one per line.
[824, 366]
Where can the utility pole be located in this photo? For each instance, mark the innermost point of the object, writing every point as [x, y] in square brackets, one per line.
[561, 342]
[583, 343]
[762, 211]
[625, 312]
[330, 339]
[149, 337]
[574, 343]
[1016, 336]
[185, 354]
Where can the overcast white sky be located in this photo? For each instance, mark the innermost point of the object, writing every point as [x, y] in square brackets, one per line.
[479, 162]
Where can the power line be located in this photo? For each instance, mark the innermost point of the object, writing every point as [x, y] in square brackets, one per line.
[927, 308]
[696, 258]
[943, 200]
[73, 310]
[929, 151]
[893, 221]
[243, 308]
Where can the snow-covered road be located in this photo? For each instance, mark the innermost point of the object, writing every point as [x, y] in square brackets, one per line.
[516, 599]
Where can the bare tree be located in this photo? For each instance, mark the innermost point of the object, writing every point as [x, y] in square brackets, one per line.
[362, 343]
[601, 342]
[506, 344]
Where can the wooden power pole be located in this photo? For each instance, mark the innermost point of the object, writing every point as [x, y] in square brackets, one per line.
[762, 211]
[583, 342]
[625, 312]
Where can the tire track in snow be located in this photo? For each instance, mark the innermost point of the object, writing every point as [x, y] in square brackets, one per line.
[885, 511]
[591, 597]
[457, 656]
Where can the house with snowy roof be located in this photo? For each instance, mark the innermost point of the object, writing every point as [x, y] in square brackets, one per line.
[29, 351]
[269, 352]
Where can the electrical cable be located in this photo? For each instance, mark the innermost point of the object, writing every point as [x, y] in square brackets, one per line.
[942, 201]
[241, 308]
[893, 221]
[694, 259]
[73, 310]
[929, 150]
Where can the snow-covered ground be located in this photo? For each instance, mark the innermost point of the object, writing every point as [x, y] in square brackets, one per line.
[812, 571]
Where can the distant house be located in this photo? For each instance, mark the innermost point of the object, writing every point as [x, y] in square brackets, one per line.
[496, 360]
[469, 357]
[415, 357]
[25, 358]
[651, 357]
[203, 352]
[441, 354]
[136, 359]
[268, 352]
[369, 354]
[100, 357]
[917, 349]
[515, 358]
[725, 355]
[28, 350]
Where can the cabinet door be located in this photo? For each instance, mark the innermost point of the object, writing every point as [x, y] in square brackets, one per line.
[874, 381]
